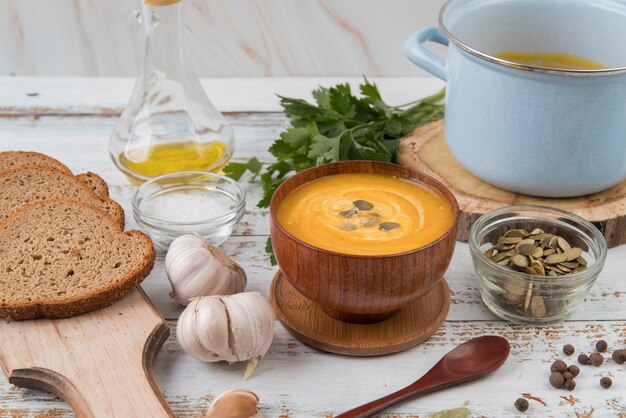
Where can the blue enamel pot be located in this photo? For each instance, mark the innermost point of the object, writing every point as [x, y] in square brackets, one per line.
[533, 130]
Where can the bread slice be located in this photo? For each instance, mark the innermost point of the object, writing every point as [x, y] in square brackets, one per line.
[21, 186]
[60, 258]
[19, 159]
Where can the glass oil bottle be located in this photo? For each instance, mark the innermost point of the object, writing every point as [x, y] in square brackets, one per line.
[169, 125]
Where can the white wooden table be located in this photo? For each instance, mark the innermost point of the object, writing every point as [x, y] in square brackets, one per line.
[71, 119]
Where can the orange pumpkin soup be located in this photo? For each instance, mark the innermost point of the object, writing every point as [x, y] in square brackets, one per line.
[366, 214]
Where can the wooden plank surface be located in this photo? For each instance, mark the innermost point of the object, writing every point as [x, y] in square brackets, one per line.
[295, 380]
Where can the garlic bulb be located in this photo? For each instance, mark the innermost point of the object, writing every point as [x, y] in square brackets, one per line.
[234, 403]
[196, 268]
[227, 328]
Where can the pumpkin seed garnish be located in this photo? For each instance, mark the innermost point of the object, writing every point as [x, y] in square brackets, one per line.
[347, 226]
[388, 226]
[369, 222]
[350, 213]
[363, 205]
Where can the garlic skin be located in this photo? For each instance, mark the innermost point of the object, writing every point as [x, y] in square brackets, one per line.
[234, 403]
[196, 268]
[227, 328]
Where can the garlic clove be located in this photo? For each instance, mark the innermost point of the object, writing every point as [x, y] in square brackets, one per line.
[234, 403]
[202, 331]
[196, 268]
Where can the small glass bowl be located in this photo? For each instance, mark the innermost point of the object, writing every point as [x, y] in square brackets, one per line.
[189, 202]
[506, 292]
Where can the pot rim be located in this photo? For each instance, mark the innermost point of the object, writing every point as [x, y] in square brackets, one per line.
[532, 68]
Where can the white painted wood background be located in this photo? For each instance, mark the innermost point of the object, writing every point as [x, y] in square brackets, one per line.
[71, 119]
[229, 38]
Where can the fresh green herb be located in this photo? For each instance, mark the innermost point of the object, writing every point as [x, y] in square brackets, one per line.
[339, 127]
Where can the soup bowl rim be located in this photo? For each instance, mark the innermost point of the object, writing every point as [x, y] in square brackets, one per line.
[438, 186]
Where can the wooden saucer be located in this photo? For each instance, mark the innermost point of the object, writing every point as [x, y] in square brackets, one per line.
[426, 150]
[308, 323]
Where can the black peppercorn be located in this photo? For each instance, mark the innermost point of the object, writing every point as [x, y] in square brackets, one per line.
[568, 349]
[596, 359]
[619, 356]
[574, 370]
[606, 382]
[568, 376]
[583, 359]
[557, 380]
[601, 346]
[558, 366]
[521, 404]
[570, 384]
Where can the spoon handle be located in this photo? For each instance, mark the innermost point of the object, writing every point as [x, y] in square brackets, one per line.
[370, 409]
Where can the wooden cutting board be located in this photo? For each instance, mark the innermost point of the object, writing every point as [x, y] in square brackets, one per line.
[99, 362]
[425, 149]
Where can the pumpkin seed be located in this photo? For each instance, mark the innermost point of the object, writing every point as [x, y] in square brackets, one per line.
[555, 258]
[573, 253]
[369, 222]
[363, 205]
[347, 226]
[538, 253]
[538, 307]
[388, 226]
[536, 231]
[569, 264]
[520, 261]
[515, 233]
[526, 249]
[564, 245]
[350, 213]
[548, 252]
[510, 240]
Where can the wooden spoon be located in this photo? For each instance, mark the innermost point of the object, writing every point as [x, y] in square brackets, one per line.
[470, 360]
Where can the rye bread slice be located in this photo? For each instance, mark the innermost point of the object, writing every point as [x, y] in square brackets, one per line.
[60, 258]
[21, 186]
[19, 159]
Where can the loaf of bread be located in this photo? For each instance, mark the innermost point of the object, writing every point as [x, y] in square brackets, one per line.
[60, 258]
[22, 186]
[21, 159]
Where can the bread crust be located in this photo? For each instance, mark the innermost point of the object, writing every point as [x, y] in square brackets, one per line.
[52, 162]
[90, 300]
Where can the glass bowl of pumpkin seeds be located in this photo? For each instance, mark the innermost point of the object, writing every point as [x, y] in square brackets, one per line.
[535, 264]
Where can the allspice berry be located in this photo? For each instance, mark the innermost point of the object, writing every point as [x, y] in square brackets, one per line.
[557, 380]
[558, 366]
[596, 359]
[601, 346]
[568, 349]
[574, 370]
[521, 404]
[583, 359]
[567, 376]
[570, 384]
[606, 382]
[619, 356]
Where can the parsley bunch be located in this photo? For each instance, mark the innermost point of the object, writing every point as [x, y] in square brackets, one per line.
[338, 127]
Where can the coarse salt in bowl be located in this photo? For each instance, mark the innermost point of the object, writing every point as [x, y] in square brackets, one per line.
[189, 202]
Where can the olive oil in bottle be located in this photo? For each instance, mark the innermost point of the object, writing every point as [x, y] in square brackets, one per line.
[175, 156]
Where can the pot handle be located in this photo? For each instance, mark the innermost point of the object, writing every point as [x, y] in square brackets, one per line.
[422, 57]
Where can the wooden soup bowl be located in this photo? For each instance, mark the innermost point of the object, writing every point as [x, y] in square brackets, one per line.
[360, 288]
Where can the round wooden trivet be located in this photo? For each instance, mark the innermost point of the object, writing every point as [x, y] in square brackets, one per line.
[308, 323]
[425, 149]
